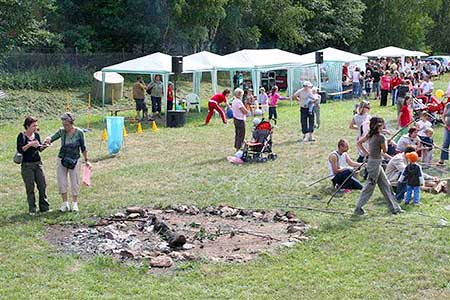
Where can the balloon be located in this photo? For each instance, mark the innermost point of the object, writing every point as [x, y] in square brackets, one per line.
[439, 93]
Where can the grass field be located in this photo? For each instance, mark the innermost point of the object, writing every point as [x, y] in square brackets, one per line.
[379, 256]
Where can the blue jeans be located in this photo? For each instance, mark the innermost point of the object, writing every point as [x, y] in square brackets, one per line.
[355, 89]
[445, 144]
[400, 191]
[394, 96]
[409, 191]
[307, 120]
[376, 88]
[156, 104]
[352, 183]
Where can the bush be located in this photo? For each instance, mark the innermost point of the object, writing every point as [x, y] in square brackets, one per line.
[46, 78]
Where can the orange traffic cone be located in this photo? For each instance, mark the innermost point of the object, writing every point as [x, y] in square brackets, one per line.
[154, 127]
[139, 128]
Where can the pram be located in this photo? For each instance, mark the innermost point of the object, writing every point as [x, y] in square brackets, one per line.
[260, 148]
[431, 105]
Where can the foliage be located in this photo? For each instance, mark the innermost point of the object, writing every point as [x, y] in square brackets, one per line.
[46, 78]
[23, 25]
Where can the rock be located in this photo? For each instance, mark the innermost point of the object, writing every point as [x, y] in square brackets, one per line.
[227, 211]
[257, 215]
[126, 253]
[135, 244]
[266, 219]
[162, 261]
[169, 211]
[163, 247]
[188, 256]
[284, 219]
[288, 244]
[120, 215]
[177, 240]
[181, 208]
[290, 215]
[211, 210]
[108, 245]
[245, 212]
[293, 220]
[135, 210]
[294, 229]
[188, 246]
[193, 210]
[134, 216]
[176, 255]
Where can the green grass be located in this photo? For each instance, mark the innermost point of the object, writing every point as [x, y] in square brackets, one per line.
[377, 257]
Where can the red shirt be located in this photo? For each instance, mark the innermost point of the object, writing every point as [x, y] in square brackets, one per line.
[385, 83]
[169, 94]
[405, 118]
[395, 82]
[219, 98]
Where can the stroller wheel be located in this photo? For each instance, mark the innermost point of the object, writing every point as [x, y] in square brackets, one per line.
[272, 156]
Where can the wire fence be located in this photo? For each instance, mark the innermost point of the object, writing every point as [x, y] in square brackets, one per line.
[18, 61]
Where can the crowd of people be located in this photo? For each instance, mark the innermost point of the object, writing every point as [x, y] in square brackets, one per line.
[394, 164]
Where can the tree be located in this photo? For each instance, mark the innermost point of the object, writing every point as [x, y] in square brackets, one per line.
[23, 24]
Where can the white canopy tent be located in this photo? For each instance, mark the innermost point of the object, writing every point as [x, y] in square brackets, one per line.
[211, 63]
[333, 60]
[392, 51]
[263, 60]
[156, 63]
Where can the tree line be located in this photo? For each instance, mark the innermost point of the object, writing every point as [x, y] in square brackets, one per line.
[222, 26]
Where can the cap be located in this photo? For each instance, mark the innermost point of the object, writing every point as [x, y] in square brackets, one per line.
[307, 83]
[412, 156]
[68, 116]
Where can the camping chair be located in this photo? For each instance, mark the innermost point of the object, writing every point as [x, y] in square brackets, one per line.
[192, 100]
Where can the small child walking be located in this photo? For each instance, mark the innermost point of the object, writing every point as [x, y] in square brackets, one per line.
[273, 100]
[316, 107]
[414, 177]
[427, 147]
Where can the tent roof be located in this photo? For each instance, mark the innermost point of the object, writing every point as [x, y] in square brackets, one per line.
[263, 59]
[332, 54]
[154, 63]
[393, 52]
[209, 60]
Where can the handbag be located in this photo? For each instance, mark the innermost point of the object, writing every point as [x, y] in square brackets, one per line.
[149, 89]
[66, 161]
[18, 157]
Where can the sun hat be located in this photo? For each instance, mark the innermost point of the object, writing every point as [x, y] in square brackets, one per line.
[307, 83]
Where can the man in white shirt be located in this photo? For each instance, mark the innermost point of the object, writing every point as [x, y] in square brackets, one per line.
[341, 166]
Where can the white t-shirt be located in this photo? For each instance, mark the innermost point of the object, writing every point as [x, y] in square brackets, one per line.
[423, 126]
[341, 162]
[426, 87]
[355, 76]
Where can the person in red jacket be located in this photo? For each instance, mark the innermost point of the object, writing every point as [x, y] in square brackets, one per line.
[385, 87]
[395, 82]
[214, 104]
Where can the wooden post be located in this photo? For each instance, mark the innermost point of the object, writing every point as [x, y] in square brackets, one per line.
[67, 102]
[89, 111]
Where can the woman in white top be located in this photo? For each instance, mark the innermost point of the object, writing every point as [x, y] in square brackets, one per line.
[358, 119]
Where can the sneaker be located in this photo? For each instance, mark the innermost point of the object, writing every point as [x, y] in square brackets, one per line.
[398, 211]
[311, 140]
[359, 212]
[347, 191]
[64, 207]
[32, 214]
[417, 204]
[75, 207]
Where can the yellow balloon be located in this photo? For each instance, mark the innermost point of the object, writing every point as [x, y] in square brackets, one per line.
[439, 93]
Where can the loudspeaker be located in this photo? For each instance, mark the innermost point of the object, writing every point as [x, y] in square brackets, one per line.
[319, 58]
[177, 64]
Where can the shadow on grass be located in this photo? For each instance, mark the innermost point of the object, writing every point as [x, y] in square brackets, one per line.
[51, 217]
[209, 162]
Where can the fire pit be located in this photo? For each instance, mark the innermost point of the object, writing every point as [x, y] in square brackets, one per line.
[181, 233]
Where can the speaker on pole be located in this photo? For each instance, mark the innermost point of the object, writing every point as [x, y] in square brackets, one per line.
[177, 64]
[319, 57]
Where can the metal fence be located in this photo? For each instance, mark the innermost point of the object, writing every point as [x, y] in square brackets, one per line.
[17, 61]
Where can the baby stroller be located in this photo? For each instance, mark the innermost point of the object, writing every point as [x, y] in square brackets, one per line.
[259, 149]
[431, 105]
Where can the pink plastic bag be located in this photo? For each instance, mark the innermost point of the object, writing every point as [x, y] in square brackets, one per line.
[86, 175]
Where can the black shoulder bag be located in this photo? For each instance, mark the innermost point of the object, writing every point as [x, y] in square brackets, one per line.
[67, 161]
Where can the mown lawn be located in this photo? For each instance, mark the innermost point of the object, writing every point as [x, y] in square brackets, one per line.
[379, 256]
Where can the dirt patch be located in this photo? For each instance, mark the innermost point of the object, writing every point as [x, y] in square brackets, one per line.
[164, 236]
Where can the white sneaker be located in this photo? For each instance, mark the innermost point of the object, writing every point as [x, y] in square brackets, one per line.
[75, 207]
[64, 207]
